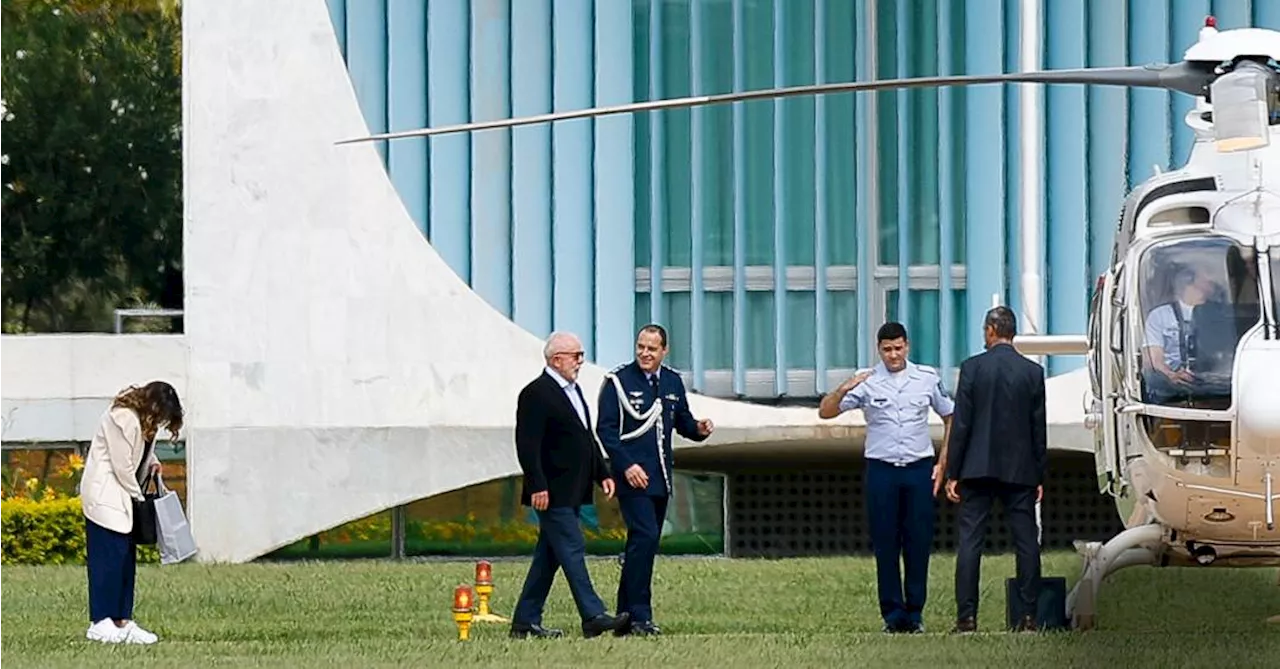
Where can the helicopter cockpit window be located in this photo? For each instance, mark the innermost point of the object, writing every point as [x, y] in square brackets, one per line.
[1198, 297]
[1179, 216]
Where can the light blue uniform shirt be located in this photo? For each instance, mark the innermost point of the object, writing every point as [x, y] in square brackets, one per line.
[896, 407]
[1162, 331]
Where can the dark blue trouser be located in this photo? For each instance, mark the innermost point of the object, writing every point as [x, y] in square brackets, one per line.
[900, 518]
[644, 516]
[111, 560]
[560, 546]
[976, 498]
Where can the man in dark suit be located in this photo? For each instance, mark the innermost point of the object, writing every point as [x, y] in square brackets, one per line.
[640, 403]
[561, 460]
[998, 450]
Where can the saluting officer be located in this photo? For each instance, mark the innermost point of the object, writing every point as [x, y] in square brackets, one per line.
[640, 403]
[901, 477]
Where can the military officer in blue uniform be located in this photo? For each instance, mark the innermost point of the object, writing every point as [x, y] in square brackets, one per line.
[640, 404]
[902, 476]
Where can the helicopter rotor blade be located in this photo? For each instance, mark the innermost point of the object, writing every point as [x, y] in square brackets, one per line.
[1191, 78]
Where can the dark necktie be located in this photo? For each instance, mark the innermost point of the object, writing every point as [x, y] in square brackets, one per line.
[653, 384]
[585, 411]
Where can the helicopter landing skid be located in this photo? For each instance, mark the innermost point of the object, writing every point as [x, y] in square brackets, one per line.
[1126, 549]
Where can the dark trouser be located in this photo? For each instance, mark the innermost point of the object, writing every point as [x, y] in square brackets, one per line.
[560, 546]
[900, 517]
[1019, 502]
[644, 516]
[1160, 390]
[111, 561]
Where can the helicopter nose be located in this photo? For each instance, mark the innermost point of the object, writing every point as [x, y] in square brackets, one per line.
[1258, 393]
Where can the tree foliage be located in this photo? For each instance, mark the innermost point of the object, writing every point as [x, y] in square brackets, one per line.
[92, 161]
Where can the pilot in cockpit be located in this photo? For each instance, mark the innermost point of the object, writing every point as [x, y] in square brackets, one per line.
[1170, 341]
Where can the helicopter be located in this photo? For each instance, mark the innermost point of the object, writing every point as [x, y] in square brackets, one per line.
[1183, 341]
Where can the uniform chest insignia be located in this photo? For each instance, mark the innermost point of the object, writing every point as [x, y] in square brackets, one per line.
[671, 397]
[636, 393]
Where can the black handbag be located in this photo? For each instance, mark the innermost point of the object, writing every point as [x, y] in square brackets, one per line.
[144, 510]
[144, 515]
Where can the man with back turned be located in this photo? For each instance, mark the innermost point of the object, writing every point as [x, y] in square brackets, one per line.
[998, 450]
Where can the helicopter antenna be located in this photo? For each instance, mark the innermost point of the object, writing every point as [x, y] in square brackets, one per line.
[1191, 77]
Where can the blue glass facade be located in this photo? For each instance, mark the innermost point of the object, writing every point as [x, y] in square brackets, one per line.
[771, 238]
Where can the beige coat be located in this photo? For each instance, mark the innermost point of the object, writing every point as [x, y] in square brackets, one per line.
[109, 483]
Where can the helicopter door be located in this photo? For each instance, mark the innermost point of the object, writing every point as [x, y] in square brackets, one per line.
[1104, 331]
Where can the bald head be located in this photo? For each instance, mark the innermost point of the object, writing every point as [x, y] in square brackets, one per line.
[563, 353]
[561, 342]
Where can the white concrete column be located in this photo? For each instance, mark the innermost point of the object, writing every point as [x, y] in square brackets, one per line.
[1031, 155]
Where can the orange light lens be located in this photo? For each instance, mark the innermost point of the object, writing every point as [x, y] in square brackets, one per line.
[484, 571]
[462, 597]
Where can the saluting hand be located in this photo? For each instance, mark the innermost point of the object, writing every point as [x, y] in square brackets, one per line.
[855, 380]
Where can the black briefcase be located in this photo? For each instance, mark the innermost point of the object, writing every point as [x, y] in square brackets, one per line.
[1051, 607]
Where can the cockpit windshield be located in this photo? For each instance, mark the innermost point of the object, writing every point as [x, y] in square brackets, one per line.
[1198, 298]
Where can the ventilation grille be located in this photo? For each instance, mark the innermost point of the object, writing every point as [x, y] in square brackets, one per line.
[779, 513]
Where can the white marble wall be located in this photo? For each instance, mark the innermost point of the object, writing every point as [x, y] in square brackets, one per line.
[56, 387]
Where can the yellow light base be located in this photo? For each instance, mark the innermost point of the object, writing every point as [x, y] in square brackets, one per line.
[484, 615]
[463, 620]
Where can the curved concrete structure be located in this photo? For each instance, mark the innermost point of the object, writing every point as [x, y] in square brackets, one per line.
[338, 365]
[334, 364]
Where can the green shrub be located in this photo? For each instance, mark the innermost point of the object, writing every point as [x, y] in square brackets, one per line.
[47, 531]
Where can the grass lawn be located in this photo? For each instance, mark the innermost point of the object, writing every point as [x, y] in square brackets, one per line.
[713, 612]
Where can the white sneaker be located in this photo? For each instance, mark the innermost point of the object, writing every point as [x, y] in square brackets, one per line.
[105, 631]
[135, 634]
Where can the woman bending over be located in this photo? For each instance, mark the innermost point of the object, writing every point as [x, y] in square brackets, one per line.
[120, 458]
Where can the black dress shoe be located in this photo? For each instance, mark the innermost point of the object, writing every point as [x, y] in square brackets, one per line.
[604, 623]
[1027, 624]
[646, 628]
[965, 626]
[521, 631]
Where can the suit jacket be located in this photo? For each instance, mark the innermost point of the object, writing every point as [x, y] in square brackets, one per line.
[635, 425]
[556, 452]
[999, 429]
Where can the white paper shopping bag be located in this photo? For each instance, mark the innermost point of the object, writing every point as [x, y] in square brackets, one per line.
[173, 534]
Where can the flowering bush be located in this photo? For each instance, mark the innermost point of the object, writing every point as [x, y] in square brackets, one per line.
[42, 522]
[460, 532]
